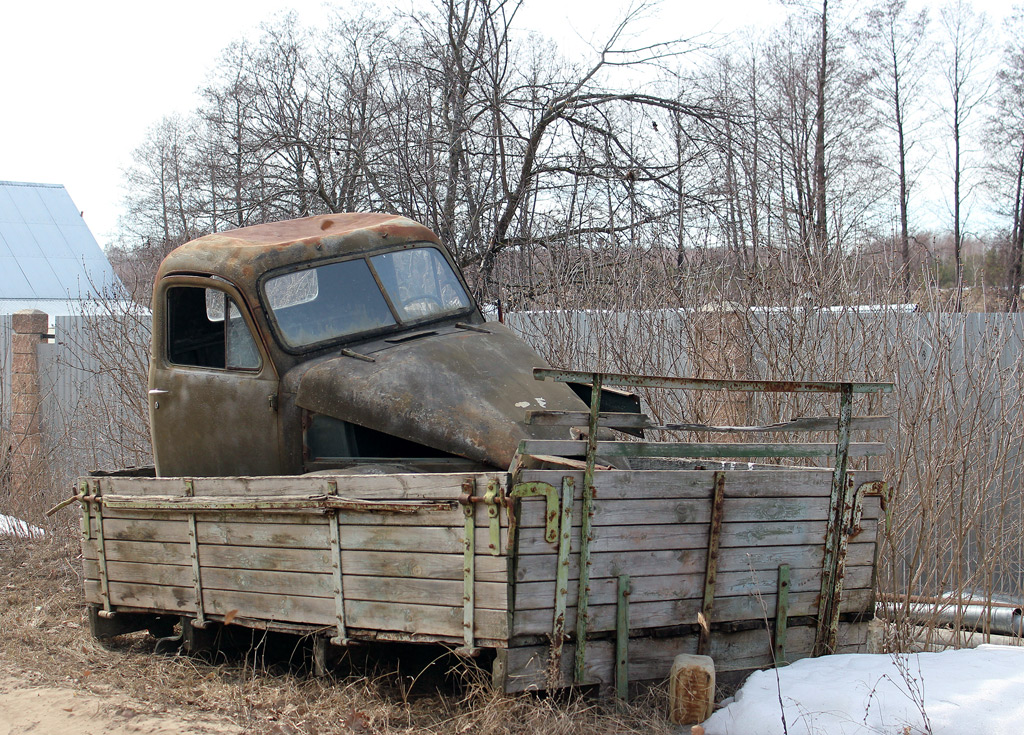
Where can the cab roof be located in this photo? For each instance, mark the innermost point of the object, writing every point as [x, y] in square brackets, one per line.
[244, 254]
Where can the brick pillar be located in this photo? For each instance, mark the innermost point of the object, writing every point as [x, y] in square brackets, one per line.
[29, 328]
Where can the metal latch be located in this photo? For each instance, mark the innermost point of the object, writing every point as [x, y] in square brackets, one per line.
[545, 490]
[492, 500]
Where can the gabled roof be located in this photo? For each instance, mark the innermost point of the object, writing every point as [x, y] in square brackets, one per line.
[46, 249]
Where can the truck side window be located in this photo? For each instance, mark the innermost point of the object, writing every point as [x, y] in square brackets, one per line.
[205, 328]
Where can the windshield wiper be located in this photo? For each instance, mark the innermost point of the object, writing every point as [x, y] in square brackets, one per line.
[409, 336]
[358, 356]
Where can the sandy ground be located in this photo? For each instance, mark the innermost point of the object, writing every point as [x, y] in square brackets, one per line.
[53, 710]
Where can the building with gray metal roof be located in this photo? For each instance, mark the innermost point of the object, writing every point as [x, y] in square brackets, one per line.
[49, 259]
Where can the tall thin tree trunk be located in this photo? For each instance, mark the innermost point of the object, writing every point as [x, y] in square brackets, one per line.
[957, 236]
[1017, 237]
[904, 228]
[820, 228]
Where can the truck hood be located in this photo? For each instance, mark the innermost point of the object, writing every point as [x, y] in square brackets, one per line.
[465, 393]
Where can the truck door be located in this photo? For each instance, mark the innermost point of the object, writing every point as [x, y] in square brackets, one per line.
[212, 386]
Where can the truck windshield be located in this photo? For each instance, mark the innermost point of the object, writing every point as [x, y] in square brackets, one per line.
[349, 297]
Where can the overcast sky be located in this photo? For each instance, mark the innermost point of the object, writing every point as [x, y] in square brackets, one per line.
[82, 81]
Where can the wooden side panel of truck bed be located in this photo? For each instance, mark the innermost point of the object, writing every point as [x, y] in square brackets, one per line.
[265, 558]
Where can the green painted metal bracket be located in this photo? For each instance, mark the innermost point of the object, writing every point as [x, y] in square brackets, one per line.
[839, 500]
[711, 567]
[848, 525]
[542, 490]
[622, 638]
[586, 533]
[781, 615]
[197, 574]
[341, 637]
[491, 501]
[562, 577]
[101, 553]
[852, 514]
[879, 489]
[83, 491]
[469, 568]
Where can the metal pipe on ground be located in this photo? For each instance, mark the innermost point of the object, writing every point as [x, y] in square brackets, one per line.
[998, 619]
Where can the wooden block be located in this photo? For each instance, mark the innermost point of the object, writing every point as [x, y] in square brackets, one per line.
[691, 689]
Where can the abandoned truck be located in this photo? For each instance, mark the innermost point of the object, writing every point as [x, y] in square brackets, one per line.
[346, 450]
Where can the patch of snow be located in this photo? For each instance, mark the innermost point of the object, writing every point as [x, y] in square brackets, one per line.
[11, 526]
[948, 693]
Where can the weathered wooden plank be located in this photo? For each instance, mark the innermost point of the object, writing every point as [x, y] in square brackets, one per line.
[241, 549]
[418, 565]
[355, 562]
[610, 419]
[405, 618]
[262, 517]
[673, 587]
[155, 597]
[622, 380]
[489, 595]
[424, 619]
[661, 614]
[691, 536]
[375, 538]
[781, 482]
[651, 659]
[658, 511]
[394, 567]
[441, 518]
[173, 575]
[645, 562]
[642, 421]
[372, 487]
[152, 552]
[570, 448]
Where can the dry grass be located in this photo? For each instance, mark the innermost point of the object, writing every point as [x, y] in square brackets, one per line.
[45, 640]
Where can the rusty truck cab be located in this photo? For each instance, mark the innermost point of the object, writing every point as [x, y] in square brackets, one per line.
[333, 342]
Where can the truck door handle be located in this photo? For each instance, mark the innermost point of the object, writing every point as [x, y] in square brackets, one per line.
[156, 393]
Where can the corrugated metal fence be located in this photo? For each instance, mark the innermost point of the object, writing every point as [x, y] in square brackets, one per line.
[92, 385]
[5, 370]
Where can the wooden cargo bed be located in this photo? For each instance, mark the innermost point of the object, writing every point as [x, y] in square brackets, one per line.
[748, 563]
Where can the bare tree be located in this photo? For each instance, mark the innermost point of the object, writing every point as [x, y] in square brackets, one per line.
[894, 43]
[962, 58]
[229, 144]
[1004, 141]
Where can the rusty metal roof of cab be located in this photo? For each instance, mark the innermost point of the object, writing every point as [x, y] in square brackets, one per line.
[332, 342]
